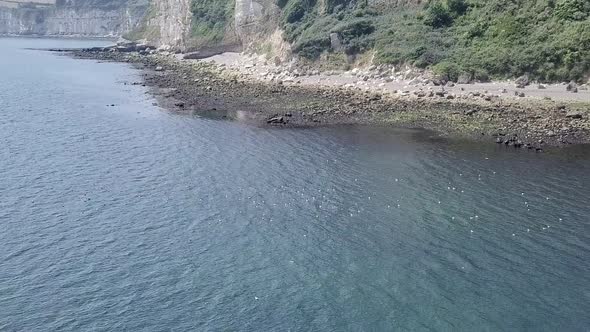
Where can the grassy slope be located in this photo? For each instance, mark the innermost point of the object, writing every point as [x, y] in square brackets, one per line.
[547, 39]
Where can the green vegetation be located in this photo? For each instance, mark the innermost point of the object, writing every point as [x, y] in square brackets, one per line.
[547, 39]
[210, 21]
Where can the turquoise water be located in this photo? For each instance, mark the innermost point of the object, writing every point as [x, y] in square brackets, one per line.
[135, 218]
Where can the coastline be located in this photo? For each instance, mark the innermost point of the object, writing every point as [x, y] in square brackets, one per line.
[248, 92]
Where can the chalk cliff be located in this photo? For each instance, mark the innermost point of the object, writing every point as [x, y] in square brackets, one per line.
[77, 18]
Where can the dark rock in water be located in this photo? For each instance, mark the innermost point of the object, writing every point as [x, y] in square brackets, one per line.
[276, 120]
[179, 104]
[96, 49]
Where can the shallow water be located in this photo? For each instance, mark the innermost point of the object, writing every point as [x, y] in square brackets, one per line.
[135, 218]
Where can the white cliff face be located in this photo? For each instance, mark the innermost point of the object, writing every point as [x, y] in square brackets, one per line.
[255, 19]
[172, 21]
[77, 21]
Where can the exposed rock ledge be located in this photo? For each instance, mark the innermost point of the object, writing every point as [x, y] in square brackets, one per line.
[283, 95]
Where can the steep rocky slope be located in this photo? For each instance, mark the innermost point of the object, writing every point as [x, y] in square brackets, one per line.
[223, 24]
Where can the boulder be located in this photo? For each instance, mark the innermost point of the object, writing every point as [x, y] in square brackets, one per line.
[335, 42]
[276, 120]
[573, 115]
[277, 61]
[465, 78]
[522, 81]
[571, 86]
[164, 48]
[519, 94]
[125, 48]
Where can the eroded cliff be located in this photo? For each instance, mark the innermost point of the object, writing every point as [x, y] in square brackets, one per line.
[78, 18]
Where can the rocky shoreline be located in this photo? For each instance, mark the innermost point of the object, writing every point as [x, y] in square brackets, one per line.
[208, 88]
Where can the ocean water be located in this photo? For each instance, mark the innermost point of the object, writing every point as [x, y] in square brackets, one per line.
[134, 218]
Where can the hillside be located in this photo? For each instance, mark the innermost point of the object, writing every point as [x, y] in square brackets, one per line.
[462, 39]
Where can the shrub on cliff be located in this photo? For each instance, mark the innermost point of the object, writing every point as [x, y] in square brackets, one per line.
[438, 15]
[210, 19]
[572, 10]
[547, 39]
